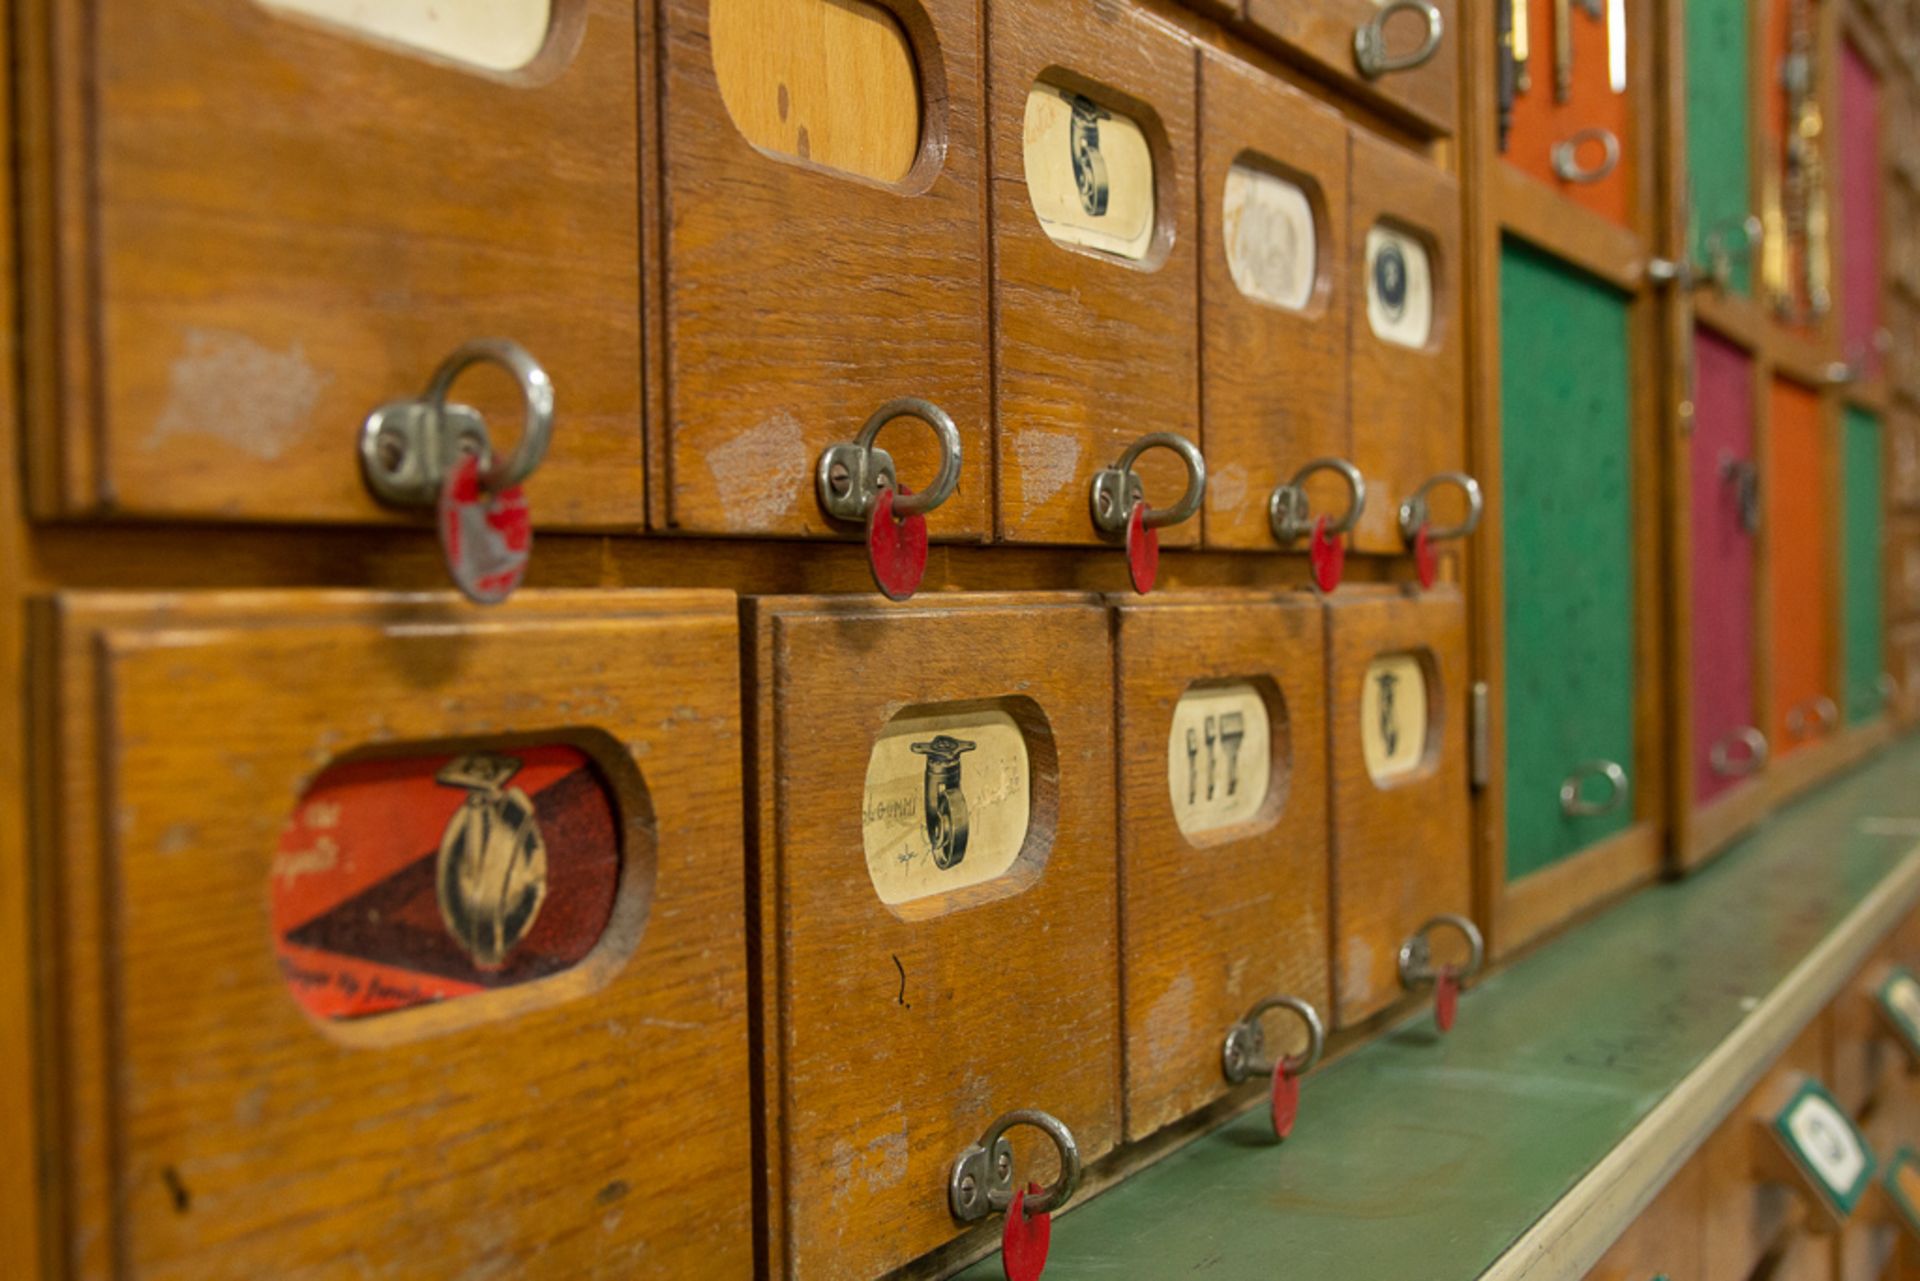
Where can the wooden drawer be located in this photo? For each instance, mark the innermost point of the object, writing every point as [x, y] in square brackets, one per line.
[1903, 568]
[1668, 1239]
[296, 1034]
[1800, 484]
[826, 251]
[251, 228]
[1903, 657]
[1542, 122]
[1903, 485]
[1273, 230]
[937, 920]
[1747, 1212]
[1407, 374]
[1397, 752]
[1323, 31]
[1096, 314]
[1223, 853]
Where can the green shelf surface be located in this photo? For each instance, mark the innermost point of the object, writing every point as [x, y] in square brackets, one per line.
[1419, 1157]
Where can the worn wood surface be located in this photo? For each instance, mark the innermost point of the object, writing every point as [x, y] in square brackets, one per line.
[1322, 31]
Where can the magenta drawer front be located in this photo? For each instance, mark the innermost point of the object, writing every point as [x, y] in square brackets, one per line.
[1860, 195]
[1725, 514]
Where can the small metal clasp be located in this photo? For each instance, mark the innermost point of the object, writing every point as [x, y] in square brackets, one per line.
[1571, 803]
[1240, 1056]
[1724, 763]
[1416, 954]
[1663, 271]
[1414, 512]
[1290, 514]
[981, 1179]
[1370, 40]
[852, 473]
[1565, 157]
[1744, 475]
[1117, 489]
[1824, 713]
[1720, 254]
[407, 447]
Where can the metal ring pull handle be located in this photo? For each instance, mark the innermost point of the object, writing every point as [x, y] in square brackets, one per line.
[1117, 489]
[1824, 714]
[1414, 512]
[1720, 254]
[1571, 803]
[1889, 687]
[1241, 1056]
[1565, 156]
[1370, 40]
[981, 1179]
[1416, 954]
[1727, 765]
[852, 473]
[407, 447]
[1291, 515]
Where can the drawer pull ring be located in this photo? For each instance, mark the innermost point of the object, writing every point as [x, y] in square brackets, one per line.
[1573, 805]
[1565, 156]
[1416, 521]
[1241, 1057]
[1290, 514]
[1817, 715]
[981, 1179]
[407, 447]
[1728, 765]
[852, 473]
[1120, 506]
[1417, 969]
[1370, 40]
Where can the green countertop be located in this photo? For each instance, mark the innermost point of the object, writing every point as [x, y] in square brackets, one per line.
[1426, 1158]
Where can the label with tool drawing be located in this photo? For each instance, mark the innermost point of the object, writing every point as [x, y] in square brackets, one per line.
[1089, 173]
[947, 803]
[1393, 716]
[1267, 227]
[1219, 757]
[1399, 287]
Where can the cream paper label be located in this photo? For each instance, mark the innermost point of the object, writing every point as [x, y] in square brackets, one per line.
[494, 35]
[1219, 757]
[1267, 226]
[1399, 287]
[1393, 716]
[1089, 173]
[947, 803]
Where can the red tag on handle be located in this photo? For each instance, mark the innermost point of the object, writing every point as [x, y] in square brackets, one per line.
[1286, 1099]
[896, 548]
[1143, 550]
[1024, 1239]
[485, 538]
[1446, 998]
[1425, 563]
[1329, 556]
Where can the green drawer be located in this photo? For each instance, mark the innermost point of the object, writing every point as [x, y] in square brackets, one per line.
[1862, 579]
[1718, 102]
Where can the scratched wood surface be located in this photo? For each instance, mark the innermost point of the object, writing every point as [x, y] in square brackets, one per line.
[206, 1127]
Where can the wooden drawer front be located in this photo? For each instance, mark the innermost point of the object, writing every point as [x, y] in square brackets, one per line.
[1095, 347]
[1747, 1212]
[1860, 215]
[1800, 485]
[815, 274]
[1407, 401]
[1903, 644]
[1667, 1239]
[1542, 122]
[225, 1114]
[1400, 844]
[1222, 835]
[1724, 495]
[1903, 487]
[1323, 31]
[1863, 531]
[1719, 108]
[1565, 442]
[1903, 576]
[269, 226]
[1273, 230]
[897, 1033]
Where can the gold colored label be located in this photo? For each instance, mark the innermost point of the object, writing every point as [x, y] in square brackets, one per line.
[947, 803]
[491, 873]
[1399, 287]
[1393, 716]
[1219, 757]
[1267, 227]
[1089, 173]
[494, 35]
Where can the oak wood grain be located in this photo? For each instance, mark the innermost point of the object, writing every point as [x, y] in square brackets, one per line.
[1322, 31]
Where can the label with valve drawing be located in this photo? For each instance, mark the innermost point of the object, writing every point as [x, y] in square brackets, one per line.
[1219, 757]
[947, 802]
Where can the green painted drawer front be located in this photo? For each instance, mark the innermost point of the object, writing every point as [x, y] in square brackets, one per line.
[1865, 626]
[1717, 126]
[1567, 513]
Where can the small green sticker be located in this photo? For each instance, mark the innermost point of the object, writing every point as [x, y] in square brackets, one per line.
[1826, 1144]
[1899, 997]
[1902, 1181]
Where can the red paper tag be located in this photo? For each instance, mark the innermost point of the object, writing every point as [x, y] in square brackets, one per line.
[485, 538]
[896, 548]
[1143, 550]
[1024, 1239]
[1329, 556]
[1286, 1099]
[1424, 562]
[1446, 998]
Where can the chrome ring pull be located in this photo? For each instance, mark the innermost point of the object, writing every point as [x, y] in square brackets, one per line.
[1727, 765]
[1370, 40]
[1565, 156]
[1571, 803]
[407, 447]
[1416, 966]
[1819, 714]
[1414, 511]
[1117, 489]
[1889, 687]
[1241, 1057]
[1290, 514]
[980, 1181]
[851, 474]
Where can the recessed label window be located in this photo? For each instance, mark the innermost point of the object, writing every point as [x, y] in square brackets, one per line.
[947, 803]
[1089, 173]
[494, 35]
[1219, 757]
[1393, 716]
[1399, 287]
[1267, 227]
[1827, 1143]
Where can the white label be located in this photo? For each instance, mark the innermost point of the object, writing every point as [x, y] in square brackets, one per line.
[495, 35]
[1903, 998]
[1089, 173]
[1267, 226]
[1219, 757]
[1399, 288]
[1828, 1143]
[1393, 716]
[946, 805]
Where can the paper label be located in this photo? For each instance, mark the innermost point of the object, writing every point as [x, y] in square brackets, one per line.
[947, 803]
[1826, 1144]
[1399, 288]
[1393, 716]
[1219, 757]
[1089, 173]
[494, 35]
[1267, 226]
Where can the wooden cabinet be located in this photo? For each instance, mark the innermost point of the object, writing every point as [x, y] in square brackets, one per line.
[1323, 32]
[1746, 1212]
[290, 1039]
[934, 839]
[1223, 846]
